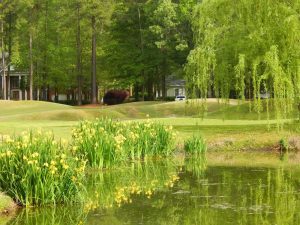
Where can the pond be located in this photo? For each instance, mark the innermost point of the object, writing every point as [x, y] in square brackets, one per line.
[183, 192]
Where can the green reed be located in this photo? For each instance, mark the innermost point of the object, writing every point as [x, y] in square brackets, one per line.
[36, 170]
[195, 145]
[59, 215]
[122, 185]
[105, 142]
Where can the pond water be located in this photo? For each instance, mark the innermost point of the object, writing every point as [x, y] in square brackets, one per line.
[183, 192]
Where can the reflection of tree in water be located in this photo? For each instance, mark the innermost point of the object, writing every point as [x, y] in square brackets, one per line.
[196, 165]
[59, 215]
[203, 195]
[117, 187]
[222, 196]
[108, 190]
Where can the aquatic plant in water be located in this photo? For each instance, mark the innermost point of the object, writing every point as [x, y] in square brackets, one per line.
[195, 145]
[59, 215]
[121, 186]
[105, 142]
[35, 169]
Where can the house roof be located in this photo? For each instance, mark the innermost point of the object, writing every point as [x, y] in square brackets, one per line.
[15, 72]
[173, 81]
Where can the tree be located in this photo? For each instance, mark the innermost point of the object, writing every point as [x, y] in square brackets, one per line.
[141, 57]
[98, 12]
[246, 48]
[5, 18]
[3, 56]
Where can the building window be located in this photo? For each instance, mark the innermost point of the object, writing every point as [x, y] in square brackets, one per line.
[14, 83]
[176, 91]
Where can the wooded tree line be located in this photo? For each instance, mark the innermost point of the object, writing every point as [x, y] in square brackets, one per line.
[223, 48]
[82, 44]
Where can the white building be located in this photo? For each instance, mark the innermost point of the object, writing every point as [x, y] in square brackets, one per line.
[15, 84]
[174, 87]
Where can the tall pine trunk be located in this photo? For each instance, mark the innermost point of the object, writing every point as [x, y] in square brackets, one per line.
[142, 53]
[163, 79]
[136, 91]
[93, 79]
[9, 54]
[30, 67]
[79, 60]
[163, 86]
[3, 61]
[45, 72]
[150, 91]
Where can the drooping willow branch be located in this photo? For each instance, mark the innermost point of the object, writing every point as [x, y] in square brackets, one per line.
[248, 50]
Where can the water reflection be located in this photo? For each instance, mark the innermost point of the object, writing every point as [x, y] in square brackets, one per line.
[118, 187]
[51, 215]
[184, 192]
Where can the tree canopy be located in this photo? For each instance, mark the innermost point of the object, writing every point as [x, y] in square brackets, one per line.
[226, 49]
[246, 48]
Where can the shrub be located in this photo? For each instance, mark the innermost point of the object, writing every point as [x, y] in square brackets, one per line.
[195, 146]
[104, 141]
[114, 97]
[283, 145]
[167, 98]
[34, 170]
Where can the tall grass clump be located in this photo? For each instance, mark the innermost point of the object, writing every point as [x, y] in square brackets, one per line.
[104, 142]
[195, 145]
[35, 170]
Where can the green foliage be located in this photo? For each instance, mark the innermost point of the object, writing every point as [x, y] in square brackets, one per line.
[36, 170]
[105, 142]
[195, 145]
[58, 215]
[138, 43]
[122, 186]
[283, 145]
[197, 165]
[246, 47]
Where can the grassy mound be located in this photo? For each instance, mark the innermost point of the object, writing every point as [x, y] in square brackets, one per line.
[233, 121]
[140, 110]
[15, 108]
[7, 205]
[46, 111]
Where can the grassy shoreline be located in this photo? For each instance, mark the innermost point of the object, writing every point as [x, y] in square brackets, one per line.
[232, 127]
[234, 137]
[7, 205]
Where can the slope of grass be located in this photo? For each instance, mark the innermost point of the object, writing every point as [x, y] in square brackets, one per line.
[6, 204]
[14, 108]
[139, 110]
[220, 123]
[246, 111]
[32, 110]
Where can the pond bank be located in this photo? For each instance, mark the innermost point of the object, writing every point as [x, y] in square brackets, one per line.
[7, 205]
[252, 158]
[251, 187]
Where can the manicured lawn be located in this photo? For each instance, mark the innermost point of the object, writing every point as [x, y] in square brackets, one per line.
[227, 128]
[233, 123]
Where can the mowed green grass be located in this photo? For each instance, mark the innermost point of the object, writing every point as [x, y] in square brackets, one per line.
[224, 127]
[231, 122]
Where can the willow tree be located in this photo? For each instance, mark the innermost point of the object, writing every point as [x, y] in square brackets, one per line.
[247, 47]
